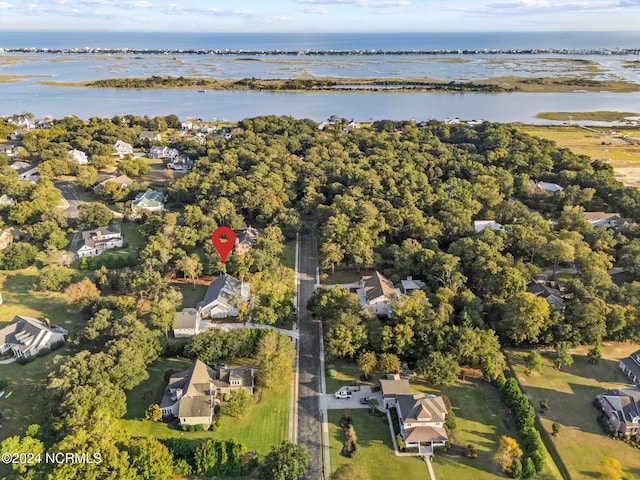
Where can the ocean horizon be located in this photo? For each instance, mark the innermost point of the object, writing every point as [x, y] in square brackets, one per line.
[388, 41]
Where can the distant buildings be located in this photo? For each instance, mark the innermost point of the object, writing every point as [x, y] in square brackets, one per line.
[480, 225]
[602, 219]
[123, 148]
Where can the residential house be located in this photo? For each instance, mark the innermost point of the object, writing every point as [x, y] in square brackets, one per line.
[21, 121]
[181, 162]
[122, 181]
[630, 366]
[422, 419]
[7, 237]
[158, 151]
[45, 122]
[391, 387]
[409, 285]
[150, 200]
[553, 292]
[6, 200]
[481, 225]
[245, 239]
[190, 396]
[199, 138]
[187, 323]
[223, 298]
[187, 125]
[375, 293]
[123, 148]
[622, 409]
[8, 149]
[150, 136]
[602, 219]
[96, 241]
[79, 156]
[545, 188]
[26, 336]
[26, 171]
[17, 135]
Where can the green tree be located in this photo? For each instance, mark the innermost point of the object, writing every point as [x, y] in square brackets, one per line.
[563, 357]
[53, 278]
[388, 363]
[18, 256]
[82, 293]
[346, 336]
[94, 214]
[22, 445]
[595, 353]
[367, 362]
[275, 357]
[525, 316]
[153, 413]
[286, 461]
[533, 362]
[87, 176]
[438, 368]
[558, 251]
[239, 403]
[508, 451]
[151, 459]
[555, 428]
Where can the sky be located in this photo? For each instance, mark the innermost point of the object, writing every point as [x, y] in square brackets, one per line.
[320, 15]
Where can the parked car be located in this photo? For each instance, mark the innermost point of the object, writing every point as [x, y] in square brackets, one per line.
[220, 366]
[365, 400]
[343, 394]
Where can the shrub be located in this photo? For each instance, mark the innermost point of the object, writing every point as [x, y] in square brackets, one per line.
[470, 451]
[331, 372]
[25, 360]
[43, 351]
[200, 428]
[412, 450]
[516, 469]
[3, 383]
[400, 442]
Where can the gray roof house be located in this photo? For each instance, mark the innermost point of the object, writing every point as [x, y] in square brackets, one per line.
[150, 200]
[187, 323]
[552, 292]
[151, 136]
[542, 188]
[26, 336]
[191, 395]
[409, 285]
[96, 241]
[422, 419]
[223, 297]
[630, 366]
[122, 181]
[375, 293]
[622, 409]
[123, 148]
[26, 171]
[391, 387]
[602, 219]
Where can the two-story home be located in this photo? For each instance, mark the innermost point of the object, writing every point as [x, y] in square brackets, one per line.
[123, 148]
[26, 336]
[96, 241]
[158, 151]
[149, 200]
[375, 292]
[190, 396]
[245, 239]
[181, 162]
[422, 419]
[79, 156]
[223, 298]
[630, 366]
[622, 409]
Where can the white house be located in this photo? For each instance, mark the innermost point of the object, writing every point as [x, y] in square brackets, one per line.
[223, 297]
[26, 336]
[6, 200]
[158, 151]
[26, 171]
[181, 162]
[79, 156]
[422, 419]
[480, 225]
[375, 293]
[150, 136]
[150, 200]
[545, 188]
[602, 219]
[96, 241]
[187, 323]
[123, 148]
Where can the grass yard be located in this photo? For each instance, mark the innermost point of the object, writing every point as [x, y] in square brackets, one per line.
[340, 276]
[191, 297]
[288, 258]
[581, 443]
[376, 453]
[348, 374]
[266, 424]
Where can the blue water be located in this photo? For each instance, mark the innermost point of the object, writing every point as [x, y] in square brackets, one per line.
[326, 41]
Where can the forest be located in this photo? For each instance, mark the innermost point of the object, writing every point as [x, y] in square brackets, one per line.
[397, 197]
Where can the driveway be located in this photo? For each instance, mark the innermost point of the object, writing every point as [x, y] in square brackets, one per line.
[70, 197]
[330, 402]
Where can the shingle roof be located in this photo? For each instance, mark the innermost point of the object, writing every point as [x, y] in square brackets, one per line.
[377, 285]
[187, 318]
[220, 290]
[150, 198]
[625, 402]
[395, 387]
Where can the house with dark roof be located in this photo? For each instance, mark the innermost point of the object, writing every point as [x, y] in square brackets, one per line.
[422, 419]
[121, 181]
[553, 292]
[223, 297]
[187, 323]
[409, 285]
[26, 336]
[602, 219]
[245, 239]
[622, 409]
[151, 200]
[630, 366]
[96, 241]
[391, 387]
[191, 395]
[26, 171]
[375, 293]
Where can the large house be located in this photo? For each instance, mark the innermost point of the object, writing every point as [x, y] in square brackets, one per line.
[422, 419]
[150, 200]
[180, 162]
[96, 241]
[223, 297]
[630, 366]
[121, 181]
[191, 395]
[26, 171]
[622, 409]
[150, 136]
[123, 148]
[245, 239]
[26, 336]
[375, 293]
[158, 151]
[79, 156]
[187, 323]
[602, 219]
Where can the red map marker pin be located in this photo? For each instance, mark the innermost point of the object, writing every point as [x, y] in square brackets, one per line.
[223, 247]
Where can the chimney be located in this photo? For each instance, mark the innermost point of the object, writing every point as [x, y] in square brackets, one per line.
[47, 322]
[178, 393]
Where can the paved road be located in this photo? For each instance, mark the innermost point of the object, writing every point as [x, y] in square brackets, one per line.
[70, 197]
[309, 419]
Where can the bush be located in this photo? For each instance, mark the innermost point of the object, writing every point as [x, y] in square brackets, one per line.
[411, 450]
[199, 428]
[400, 442]
[332, 372]
[3, 383]
[43, 351]
[25, 360]
[470, 451]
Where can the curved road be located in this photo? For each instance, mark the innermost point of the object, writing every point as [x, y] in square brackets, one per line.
[309, 418]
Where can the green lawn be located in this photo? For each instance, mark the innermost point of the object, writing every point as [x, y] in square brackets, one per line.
[376, 453]
[346, 276]
[288, 258]
[348, 374]
[267, 424]
[191, 297]
[581, 443]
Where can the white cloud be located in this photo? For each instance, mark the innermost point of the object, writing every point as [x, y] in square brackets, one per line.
[316, 11]
[360, 3]
[520, 7]
[5, 5]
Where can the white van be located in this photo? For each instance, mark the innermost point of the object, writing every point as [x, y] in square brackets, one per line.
[343, 394]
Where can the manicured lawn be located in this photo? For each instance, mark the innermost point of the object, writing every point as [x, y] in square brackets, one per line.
[288, 258]
[376, 453]
[581, 443]
[347, 276]
[348, 374]
[266, 424]
[191, 297]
